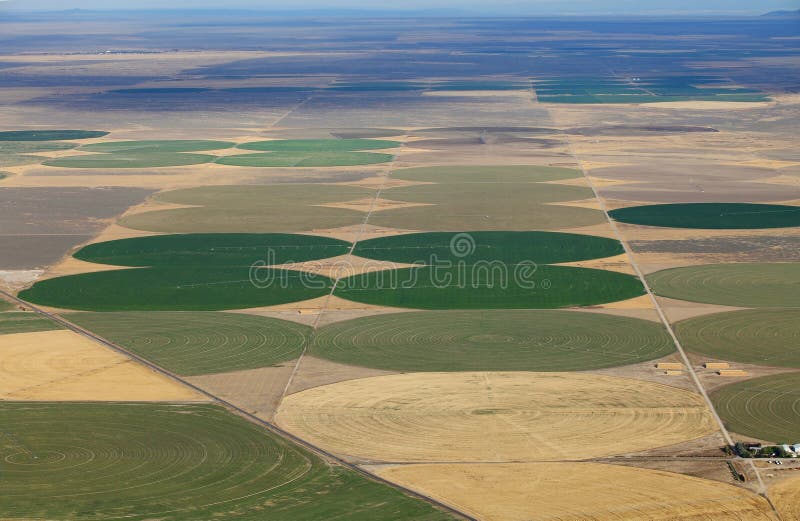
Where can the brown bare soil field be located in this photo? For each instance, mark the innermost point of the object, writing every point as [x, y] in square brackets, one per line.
[315, 372]
[786, 497]
[481, 416]
[64, 366]
[258, 391]
[586, 491]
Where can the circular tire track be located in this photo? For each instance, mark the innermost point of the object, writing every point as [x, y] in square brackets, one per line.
[492, 340]
[766, 408]
[751, 285]
[200, 343]
[759, 336]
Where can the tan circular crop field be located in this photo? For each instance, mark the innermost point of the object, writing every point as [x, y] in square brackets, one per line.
[585, 491]
[493, 416]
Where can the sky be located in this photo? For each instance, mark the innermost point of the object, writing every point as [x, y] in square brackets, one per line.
[478, 7]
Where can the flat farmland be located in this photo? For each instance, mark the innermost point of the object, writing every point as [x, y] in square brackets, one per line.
[174, 462]
[254, 209]
[751, 285]
[765, 408]
[505, 416]
[200, 343]
[491, 340]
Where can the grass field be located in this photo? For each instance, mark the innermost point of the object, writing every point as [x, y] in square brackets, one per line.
[744, 285]
[312, 153]
[157, 146]
[493, 416]
[765, 408]
[23, 322]
[17, 160]
[30, 147]
[487, 205]
[505, 247]
[256, 209]
[200, 343]
[501, 287]
[49, 135]
[177, 288]
[319, 145]
[491, 340]
[711, 215]
[486, 174]
[212, 249]
[130, 160]
[172, 463]
[302, 158]
[762, 336]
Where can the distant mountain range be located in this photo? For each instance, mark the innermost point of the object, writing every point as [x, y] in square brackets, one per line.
[783, 14]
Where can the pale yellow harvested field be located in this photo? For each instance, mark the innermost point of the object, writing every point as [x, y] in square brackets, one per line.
[64, 366]
[370, 204]
[343, 266]
[578, 491]
[493, 416]
[786, 497]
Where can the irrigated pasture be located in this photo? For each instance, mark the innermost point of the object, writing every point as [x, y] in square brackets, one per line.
[177, 288]
[746, 285]
[761, 336]
[476, 286]
[23, 322]
[491, 340]
[195, 272]
[199, 343]
[505, 247]
[312, 153]
[510, 416]
[141, 154]
[586, 491]
[238, 209]
[129, 160]
[64, 366]
[157, 146]
[765, 408]
[711, 215]
[31, 147]
[487, 198]
[212, 249]
[49, 135]
[174, 462]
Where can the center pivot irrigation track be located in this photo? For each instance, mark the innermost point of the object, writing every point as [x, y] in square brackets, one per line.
[698, 384]
[235, 409]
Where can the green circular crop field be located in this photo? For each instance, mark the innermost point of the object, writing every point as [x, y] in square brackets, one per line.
[49, 135]
[744, 285]
[711, 215]
[319, 145]
[178, 288]
[174, 462]
[312, 153]
[754, 336]
[492, 340]
[213, 249]
[766, 408]
[157, 146]
[200, 343]
[480, 286]
[474, 246]
[130, 160]
[304, 158]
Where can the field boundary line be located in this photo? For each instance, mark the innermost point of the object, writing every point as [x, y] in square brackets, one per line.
[679, 347]
[267, 425]
[338, 276]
